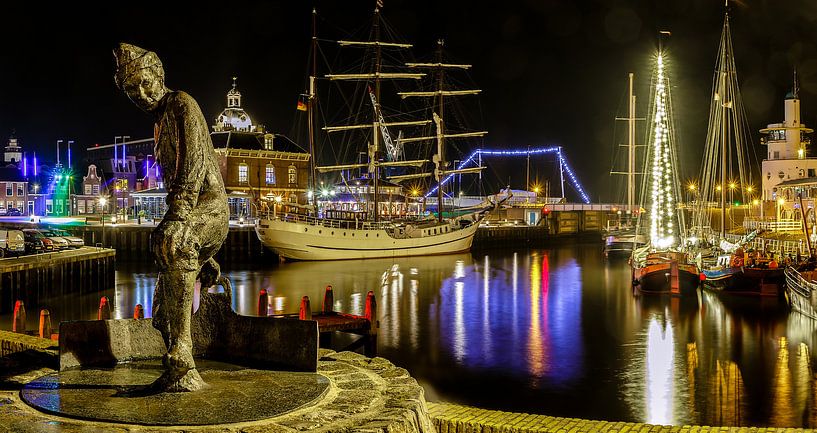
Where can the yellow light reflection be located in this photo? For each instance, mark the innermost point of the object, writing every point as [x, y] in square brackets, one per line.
[727, 389]
[536, 352]
[660, 354]
[781, 414]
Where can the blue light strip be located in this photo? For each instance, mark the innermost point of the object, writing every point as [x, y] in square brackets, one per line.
[538, 151]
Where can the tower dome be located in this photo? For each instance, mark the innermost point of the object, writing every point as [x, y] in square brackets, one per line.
[234, 118]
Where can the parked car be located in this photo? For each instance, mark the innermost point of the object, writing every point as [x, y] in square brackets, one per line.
[73, 241]
[12, 243]
[60, 243]
[13, 212]
[36, 242]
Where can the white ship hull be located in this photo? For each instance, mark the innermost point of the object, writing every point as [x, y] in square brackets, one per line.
[319, 240]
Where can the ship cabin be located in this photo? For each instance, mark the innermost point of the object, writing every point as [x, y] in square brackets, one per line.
[355, 200]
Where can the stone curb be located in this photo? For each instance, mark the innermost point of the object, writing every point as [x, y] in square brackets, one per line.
[454, 418]
[366, 395]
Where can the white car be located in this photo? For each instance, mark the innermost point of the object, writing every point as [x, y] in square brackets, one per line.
[73, 241]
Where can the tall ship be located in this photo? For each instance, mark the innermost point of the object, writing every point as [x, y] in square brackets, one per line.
[662, 265]
[370, 215]
[726, 182]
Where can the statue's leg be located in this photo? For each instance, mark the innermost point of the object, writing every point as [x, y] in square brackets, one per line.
[176, 287]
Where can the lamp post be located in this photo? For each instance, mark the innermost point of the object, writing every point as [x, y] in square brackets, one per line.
[58, 152]
[780, 202]
[102, 202]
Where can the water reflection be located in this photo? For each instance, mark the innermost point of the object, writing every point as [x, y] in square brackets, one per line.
[555, 331]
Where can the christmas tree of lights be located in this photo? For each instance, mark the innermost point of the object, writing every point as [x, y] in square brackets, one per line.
[663, 233]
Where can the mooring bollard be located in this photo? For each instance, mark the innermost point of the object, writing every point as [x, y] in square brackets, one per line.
[19, 324]
[104, 312]
[370, 313]
[138, 312]
[263, 303]
[328, 300]
[45, 324]
[306, 311]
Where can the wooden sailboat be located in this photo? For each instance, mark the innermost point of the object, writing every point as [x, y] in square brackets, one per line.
[369, 228]
[726, 266]
[621, 240]
[661, 266]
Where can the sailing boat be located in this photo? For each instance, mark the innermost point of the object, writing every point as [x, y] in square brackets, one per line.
[372, 229]
[661, 266]
[623, 238]
[725, 266]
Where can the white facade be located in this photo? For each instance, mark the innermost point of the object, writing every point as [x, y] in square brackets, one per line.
[13, 153]
[234, 118]
[787, 150]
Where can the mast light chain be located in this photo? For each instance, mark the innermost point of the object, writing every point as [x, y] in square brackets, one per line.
[661, 228]
[541, 150]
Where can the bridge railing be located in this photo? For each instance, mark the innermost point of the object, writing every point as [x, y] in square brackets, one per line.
[774, 225]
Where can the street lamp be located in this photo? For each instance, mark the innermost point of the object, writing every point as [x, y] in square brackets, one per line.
[102, 202]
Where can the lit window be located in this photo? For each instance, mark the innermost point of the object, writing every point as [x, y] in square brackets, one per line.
[20, 191]
[95, 190]
[242, 173]
[270, 174]
[292, 173]
[87, 189]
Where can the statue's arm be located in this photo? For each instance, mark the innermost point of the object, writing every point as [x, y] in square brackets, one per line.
[189, 172]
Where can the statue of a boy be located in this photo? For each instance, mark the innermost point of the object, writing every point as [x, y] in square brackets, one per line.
[197, 217]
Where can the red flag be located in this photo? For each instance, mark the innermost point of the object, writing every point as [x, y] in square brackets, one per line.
[301, 106]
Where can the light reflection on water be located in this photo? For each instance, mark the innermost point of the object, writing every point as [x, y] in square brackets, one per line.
[554, 331]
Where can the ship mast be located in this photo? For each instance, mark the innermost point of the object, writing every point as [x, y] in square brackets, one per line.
[439, 117]
[310, 105]
[378, 124]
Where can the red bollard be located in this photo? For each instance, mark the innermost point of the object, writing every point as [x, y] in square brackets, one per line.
[19, 324]
[138, 312]
[45, 324]
[104, 312]
[306, 311]
[263, 304]
[370, 312]
[328, 300]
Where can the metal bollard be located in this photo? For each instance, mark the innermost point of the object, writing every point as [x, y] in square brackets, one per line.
[370, 312]
[263, 304]
[328, 300]
[45, 324]
[104, 312]
[305, 312]
[19, 323]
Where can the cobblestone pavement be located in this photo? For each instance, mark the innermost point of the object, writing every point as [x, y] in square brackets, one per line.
[453, 418]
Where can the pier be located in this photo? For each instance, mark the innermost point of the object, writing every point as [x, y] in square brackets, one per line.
[29, 278]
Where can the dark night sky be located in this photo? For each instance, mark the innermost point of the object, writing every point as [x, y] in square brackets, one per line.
[552, 72]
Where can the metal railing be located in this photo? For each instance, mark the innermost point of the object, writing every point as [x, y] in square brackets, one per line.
[774, 225]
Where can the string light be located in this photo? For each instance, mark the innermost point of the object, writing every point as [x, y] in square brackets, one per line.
[662, 230]
[536, 151]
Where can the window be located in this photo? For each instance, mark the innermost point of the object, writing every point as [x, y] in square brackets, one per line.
[776, 154]
[87, 189]
[95, 190]
[292, 174]
[9, 191]
[81, 206]
[811, 172]
[242, 173]
[270, 174]
[20, 190]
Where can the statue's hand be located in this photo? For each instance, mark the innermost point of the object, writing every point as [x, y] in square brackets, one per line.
[175, 245]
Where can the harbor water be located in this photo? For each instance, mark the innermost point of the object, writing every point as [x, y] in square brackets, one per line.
[556, 331]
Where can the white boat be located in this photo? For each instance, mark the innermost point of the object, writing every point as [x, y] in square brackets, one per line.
[369, 227]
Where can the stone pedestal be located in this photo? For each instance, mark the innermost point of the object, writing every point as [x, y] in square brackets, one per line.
[362, 395]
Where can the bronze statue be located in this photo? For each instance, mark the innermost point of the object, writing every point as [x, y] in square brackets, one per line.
[197, 217]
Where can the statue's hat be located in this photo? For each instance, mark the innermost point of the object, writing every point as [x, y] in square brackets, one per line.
[130, 59]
